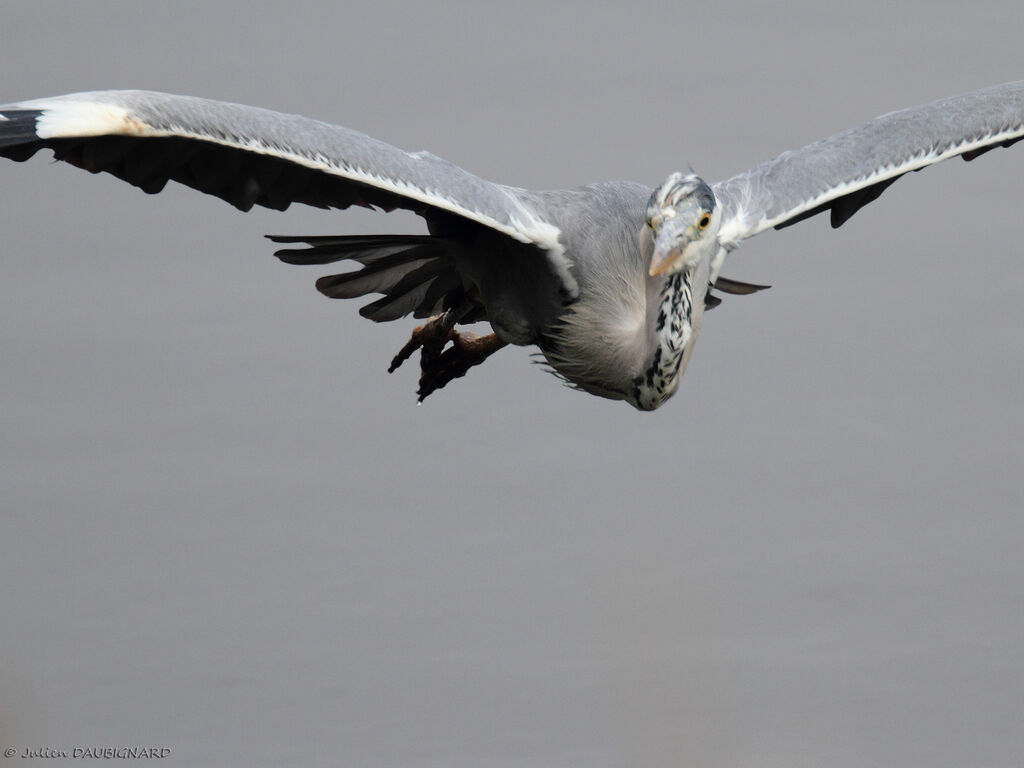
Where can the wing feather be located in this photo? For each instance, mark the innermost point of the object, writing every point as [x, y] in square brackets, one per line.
[250, 156]
[849, 170]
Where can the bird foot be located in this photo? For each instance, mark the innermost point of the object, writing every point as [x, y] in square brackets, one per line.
[467, 350]
[430, 337]
[439, 366]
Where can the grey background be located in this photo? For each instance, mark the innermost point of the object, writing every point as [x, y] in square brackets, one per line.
[226, 530]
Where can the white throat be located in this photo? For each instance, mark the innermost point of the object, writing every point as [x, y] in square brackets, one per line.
[678, 323]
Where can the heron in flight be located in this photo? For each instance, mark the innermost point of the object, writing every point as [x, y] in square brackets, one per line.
[609, 281]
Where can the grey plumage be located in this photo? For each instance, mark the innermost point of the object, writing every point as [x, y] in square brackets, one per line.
[848, 170]
[610, 281]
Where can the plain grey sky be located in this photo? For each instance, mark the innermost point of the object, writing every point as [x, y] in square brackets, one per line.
[226, 530]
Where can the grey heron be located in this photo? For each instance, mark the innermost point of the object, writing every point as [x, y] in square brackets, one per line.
[609, 281]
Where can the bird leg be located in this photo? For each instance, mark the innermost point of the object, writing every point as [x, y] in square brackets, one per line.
[438, 365]
[467, 350]
[431, 337]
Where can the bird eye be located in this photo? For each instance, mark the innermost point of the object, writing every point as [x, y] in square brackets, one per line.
[704, 221]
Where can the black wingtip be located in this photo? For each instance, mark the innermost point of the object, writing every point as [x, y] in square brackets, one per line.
[18, 125]
[737, 288]
[18, 137]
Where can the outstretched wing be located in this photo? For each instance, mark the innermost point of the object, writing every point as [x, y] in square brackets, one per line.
[249, 156]
[847, 171]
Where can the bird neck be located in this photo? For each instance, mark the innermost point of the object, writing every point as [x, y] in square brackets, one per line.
[675, 330]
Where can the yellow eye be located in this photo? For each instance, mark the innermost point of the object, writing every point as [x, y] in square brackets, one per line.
[704, 221]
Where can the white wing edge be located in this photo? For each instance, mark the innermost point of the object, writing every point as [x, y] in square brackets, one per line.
[69, 117]
[737, 228]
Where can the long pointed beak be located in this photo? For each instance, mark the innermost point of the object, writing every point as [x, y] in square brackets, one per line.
[669, 245]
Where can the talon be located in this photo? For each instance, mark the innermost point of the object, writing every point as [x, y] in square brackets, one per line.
[467, 350]
[430, 337]
[406, 352]
[438, 365]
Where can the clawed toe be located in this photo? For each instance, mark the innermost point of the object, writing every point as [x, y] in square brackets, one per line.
[429, 337]
[467, 350]
[438, 365]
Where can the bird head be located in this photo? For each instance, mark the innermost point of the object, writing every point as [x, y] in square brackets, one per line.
[684, 217]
